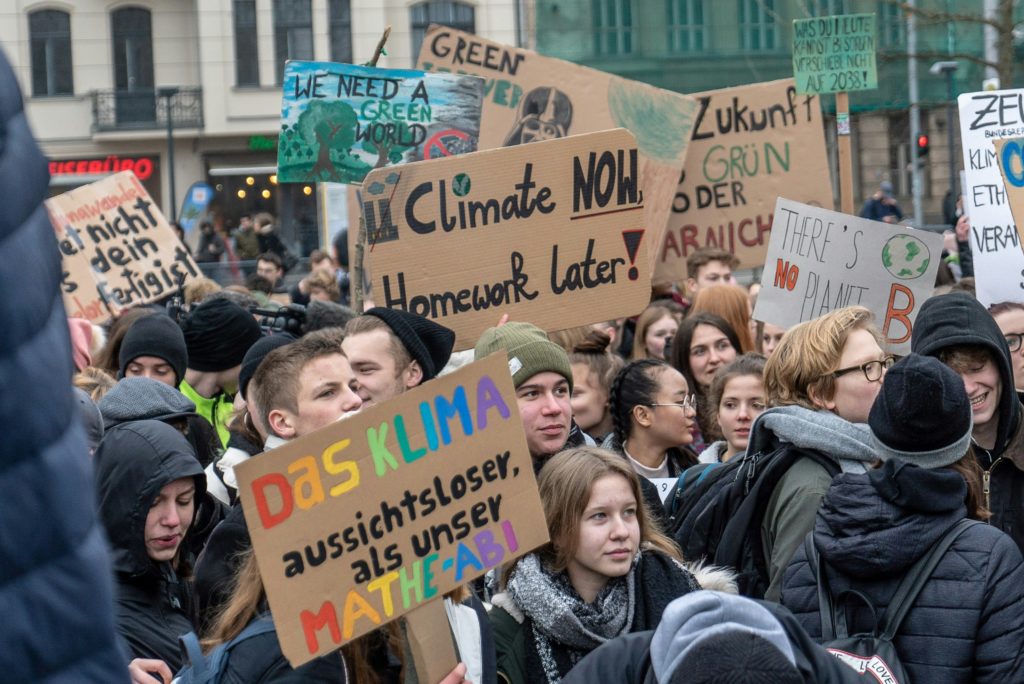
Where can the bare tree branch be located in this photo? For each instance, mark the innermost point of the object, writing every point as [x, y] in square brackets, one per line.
[936, 55]
[938, 16]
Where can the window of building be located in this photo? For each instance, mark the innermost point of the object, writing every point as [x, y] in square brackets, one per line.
[613, 26]
[891, 25]
[686, 30]
[293, 33]
[340, 15]
[826, 8]
[50, 40]
[758, 30]
[458, 15]
[247, 58]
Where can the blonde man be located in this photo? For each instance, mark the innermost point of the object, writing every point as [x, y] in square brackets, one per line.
[821, 382]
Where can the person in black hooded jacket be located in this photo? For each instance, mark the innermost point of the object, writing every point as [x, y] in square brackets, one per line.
[958, 330]
[966, 626]
[148, 479]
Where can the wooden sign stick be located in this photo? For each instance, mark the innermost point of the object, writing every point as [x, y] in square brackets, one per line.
[845, 152]
[431, 642]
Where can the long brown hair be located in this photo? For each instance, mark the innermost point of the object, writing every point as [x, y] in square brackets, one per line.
[970, 470]
[732, 304]
[565, 484]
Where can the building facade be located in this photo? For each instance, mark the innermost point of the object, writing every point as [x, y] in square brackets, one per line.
[696, 45]
[101, 78]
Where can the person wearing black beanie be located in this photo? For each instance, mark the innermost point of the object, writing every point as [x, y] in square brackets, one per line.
[218, 333]
[392, 351]
[154, 347]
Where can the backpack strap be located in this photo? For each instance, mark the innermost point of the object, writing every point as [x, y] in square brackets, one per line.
[915, 579]
[826, 609]
[193, 653]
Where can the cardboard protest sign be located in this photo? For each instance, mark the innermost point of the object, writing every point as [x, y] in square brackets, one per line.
[529, 97]
[364, 520]
[834, 54]
[821, 260]
[341, 121]
[750, 144]
[1010, 153]
[552, 233]
[117, 248]
[986, 117]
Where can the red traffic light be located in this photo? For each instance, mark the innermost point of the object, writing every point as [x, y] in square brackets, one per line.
[922, 142]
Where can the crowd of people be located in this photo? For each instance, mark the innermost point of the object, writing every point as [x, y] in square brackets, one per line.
[819, 484]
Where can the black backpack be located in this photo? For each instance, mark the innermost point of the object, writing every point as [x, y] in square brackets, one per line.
[715, 511]
[873, 655]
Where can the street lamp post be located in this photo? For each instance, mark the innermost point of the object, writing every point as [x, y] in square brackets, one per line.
[948, 68]
[167, 94]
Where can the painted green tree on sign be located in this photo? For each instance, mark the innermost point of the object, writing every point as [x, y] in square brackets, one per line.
[327, 126]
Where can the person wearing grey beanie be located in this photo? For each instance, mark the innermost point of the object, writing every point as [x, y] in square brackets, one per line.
[967, 622]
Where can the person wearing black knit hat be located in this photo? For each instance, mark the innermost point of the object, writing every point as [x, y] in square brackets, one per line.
[217, 333]
[154, 347]
[392, 351]
[873, 529]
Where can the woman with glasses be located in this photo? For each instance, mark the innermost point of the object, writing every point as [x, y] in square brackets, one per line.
[653, 413]
[820, 382]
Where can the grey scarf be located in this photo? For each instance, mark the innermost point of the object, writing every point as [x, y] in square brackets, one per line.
[560, 617]
[849, 444]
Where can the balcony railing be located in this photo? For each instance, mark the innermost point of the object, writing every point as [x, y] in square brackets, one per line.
[141, 110]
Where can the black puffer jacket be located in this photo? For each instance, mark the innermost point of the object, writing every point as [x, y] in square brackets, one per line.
[55, 589]
[133, 463]
[967, 624]
[958, 319]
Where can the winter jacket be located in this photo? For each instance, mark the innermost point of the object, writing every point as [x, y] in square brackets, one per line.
[958, 319]
[658, 581]
[216, 410]
[790, 512]
[55, 587]
[133, 463]
[967, 624]
[627, 659]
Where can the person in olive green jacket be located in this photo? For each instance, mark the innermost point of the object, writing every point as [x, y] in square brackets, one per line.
[820, 382]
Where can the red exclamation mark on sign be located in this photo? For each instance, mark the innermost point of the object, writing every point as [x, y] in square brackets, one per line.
[632, 239]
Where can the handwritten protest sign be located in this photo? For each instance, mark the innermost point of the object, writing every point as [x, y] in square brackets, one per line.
[986, 117]
[340, 121]
[552, 233]
[358, 523]
[821, 260]
[750, 144]
[529, 97]
[834, 54]
[117, 248]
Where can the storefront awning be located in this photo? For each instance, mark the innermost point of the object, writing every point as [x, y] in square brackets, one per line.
[242, 170]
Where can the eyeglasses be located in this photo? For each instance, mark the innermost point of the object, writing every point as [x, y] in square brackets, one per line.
[688, 402]
[872, 369]
[1013, 340]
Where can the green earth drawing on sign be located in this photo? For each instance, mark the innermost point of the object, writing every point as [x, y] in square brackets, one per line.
[906, 257]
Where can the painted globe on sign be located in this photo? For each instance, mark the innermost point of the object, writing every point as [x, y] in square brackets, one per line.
[906, 257]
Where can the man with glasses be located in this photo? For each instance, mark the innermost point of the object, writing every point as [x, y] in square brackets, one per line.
[820, 382]
[958, 330]
[1010, 319]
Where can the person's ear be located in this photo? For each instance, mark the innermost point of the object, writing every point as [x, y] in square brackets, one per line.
[413, 374]
[281, 423]
[691, 286]
[643, 415]
[817, 398]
